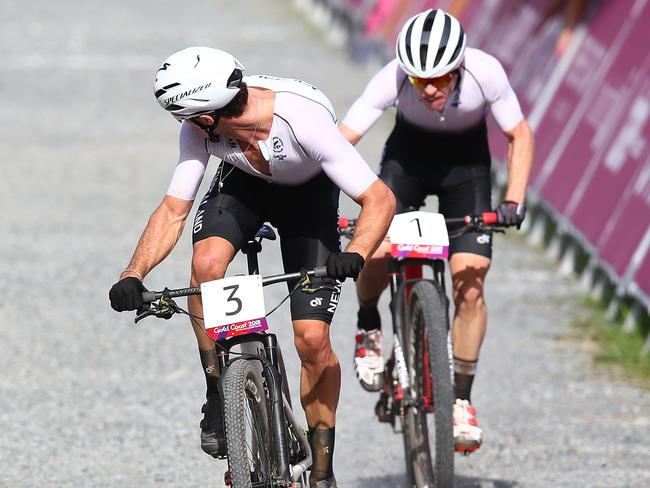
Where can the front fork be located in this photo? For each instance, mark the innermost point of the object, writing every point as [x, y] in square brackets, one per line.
[402, 276]
[271, 373]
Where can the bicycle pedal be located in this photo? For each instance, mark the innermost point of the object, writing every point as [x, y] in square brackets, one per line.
[382, 410]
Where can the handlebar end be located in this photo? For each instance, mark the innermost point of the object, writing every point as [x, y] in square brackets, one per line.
[320, 272]
[490, 218]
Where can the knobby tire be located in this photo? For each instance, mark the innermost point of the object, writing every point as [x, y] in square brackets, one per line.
[428, 432]
[246, 412]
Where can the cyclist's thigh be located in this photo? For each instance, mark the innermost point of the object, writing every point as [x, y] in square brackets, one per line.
[469, 268]
[307, 220]
[404, 183]
[469, 196]
[232, 212]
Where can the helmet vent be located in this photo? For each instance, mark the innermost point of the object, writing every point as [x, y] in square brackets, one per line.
[235, 79]
[444, 39]
[164, 89]
[459, 46]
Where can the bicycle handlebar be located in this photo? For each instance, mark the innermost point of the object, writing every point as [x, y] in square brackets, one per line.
[475, 220]
[166, 307]
[471, 221]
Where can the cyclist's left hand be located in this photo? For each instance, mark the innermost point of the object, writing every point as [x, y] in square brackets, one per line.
[511, 213]
[342, 265]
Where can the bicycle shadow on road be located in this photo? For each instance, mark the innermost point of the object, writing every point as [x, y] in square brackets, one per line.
[399, 481]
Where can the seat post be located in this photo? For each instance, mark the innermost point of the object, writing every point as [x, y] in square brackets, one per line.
[252, 249]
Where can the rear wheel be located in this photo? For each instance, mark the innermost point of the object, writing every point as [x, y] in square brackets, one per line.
[428, 430]
[246, 413]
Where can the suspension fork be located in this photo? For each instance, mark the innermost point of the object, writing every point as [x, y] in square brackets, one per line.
[398, 311]
[279, 441]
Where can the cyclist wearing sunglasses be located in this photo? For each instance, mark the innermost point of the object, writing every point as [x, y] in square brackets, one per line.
[283, 161]
[443, 92]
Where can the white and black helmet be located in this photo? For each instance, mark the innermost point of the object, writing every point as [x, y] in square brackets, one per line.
[431, 44]
[197, 80]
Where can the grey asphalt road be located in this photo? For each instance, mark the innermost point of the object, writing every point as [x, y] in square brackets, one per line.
[87, 399]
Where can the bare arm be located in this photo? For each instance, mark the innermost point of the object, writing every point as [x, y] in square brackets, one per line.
[352, 136]
[377, 211]
[521, 151]
[159, 236]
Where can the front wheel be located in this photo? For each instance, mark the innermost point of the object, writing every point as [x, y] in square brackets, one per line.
[428, 429]
[246, 413]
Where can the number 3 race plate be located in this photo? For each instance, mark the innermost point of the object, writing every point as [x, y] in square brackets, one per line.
[233, 306]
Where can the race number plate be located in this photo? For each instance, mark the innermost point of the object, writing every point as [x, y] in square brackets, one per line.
[233, 306]
[419, 235]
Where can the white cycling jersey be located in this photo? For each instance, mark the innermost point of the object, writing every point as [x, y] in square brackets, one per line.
[304, 140]
[483, 83]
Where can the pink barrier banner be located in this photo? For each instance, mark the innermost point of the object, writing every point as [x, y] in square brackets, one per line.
[593, 136]
[593, 183]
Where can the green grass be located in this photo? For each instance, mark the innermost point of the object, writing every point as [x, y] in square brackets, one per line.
[620, 351]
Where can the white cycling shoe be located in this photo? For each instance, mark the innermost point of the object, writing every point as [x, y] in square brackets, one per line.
[468, 436]
[368, 363]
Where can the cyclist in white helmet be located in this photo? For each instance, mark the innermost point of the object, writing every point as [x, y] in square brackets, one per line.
[283, 161]
[442, 91]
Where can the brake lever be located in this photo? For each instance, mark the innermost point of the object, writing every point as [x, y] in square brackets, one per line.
[143, 315]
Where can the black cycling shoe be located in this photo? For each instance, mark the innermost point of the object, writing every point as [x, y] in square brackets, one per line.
[213, 438]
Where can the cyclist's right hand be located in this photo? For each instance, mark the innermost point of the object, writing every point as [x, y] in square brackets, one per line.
[511, 213]
[126, 294]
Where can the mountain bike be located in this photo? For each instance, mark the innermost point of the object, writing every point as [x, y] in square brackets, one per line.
[266, 445]
[417, 396]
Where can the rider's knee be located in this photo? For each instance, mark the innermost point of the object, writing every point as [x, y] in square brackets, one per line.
[469, 294]
[208, 264]
[313, 344]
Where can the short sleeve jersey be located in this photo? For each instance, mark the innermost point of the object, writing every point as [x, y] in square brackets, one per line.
[304, 140]
[483, 84]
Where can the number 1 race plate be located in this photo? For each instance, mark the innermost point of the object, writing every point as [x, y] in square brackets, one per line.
[233, 306]
[419, 235]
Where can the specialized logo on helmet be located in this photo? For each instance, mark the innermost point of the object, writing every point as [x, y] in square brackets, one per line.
[185, 94]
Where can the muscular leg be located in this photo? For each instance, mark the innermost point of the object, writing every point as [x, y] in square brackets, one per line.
[210, 259]
[468, 273]
[320, 385]
[320, 373]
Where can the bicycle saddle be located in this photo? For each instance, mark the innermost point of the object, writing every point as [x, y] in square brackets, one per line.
[266, 232]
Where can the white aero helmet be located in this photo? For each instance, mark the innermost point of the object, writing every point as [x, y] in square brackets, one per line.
[431, 44]
[197, 80]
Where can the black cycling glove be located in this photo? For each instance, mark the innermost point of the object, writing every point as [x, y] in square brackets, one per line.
[511, 213]
[341, 265]
[126, 294]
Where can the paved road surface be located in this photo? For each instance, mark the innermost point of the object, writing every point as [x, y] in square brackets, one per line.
[87, 399]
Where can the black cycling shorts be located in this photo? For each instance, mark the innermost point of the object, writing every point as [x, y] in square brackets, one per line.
[306, 217]
[454, 167]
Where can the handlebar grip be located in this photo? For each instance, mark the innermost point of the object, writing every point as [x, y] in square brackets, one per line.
[490, 218]
[320, 272]
[148, 296]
